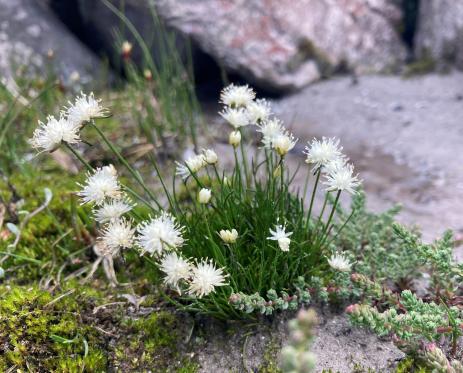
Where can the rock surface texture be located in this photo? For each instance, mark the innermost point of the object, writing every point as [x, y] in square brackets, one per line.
[285, 44]
[403, 135]
[28, 31]
[440, 31]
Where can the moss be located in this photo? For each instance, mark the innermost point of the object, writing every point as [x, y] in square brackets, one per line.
[46, 332]
[424, 65]
[308, 51]
[409, 365]
[152, 344]
[269, 362]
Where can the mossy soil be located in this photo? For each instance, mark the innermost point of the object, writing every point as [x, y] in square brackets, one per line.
[52, 320]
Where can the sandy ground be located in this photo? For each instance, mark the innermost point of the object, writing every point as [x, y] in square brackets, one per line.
[404, 135]
[339, 346]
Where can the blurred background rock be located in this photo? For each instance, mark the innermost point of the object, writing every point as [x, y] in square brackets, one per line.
[277, 45]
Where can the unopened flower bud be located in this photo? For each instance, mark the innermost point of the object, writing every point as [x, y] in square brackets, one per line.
[228, 236]
[126, 49]
[148, 74]
[235, 138]
[210, 156]
[204, 196]
[283, 144]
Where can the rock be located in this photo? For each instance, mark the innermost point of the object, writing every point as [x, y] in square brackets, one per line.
[440, 31]
[284, 45]
[28, 31]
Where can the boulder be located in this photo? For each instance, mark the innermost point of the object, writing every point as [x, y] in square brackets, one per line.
[284, 45]
[30, 36]
[440, 32]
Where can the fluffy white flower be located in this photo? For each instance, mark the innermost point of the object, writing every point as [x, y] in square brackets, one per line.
[258, 111]
[85, 108]
[342, 178]
[204, 195]
[281, 236]
[210, 156]
[160, 234]
[237, 96]
[235, 117]
[205, 277]
[192, 165]
[100, 185]
[176, 269]
[49, 136]
[284, 143]
[112, 210]
[339, 263]
[228, 236]
[320, 153]
[270, 130]
[235, 138]
[334, 165]
[118, 234]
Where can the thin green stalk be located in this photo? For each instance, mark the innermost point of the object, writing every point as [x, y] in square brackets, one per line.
[166, 191]
[340, 229]
[309, 213]
[245, 161]
[133, 172]
[79, 157]
[332, 212]
[306, 185]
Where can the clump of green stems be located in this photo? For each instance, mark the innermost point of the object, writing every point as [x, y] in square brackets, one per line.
[253, 198]
[162, 91]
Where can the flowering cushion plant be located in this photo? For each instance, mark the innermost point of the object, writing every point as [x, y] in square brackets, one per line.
[241, 232]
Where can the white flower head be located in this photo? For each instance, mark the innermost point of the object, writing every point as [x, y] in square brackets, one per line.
[210, 156]
[270, 130]
[235, 138]
[342, 178]
[281, 236]
[258, 111]
[49, 136]
[101, 249]
[176, 269]
[192, 165]
[112, 210]
[85, 108]
[339, 263]
[204, 196]
[118, 234]
[334, 165]
[100, 185]
[235, 117]
[237, 95]
[228, 236]
[320, 153]
[284, 143]
[205, 277]
[160, 234]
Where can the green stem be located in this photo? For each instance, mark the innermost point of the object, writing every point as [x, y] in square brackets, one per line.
[79, 157]
[306, 185]
[332, 213]
[309, 213]
[245, 161]
[133, 172]
[340, 229]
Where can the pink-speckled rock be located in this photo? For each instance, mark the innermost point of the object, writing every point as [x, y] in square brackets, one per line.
[287, 44]
[440, 31]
